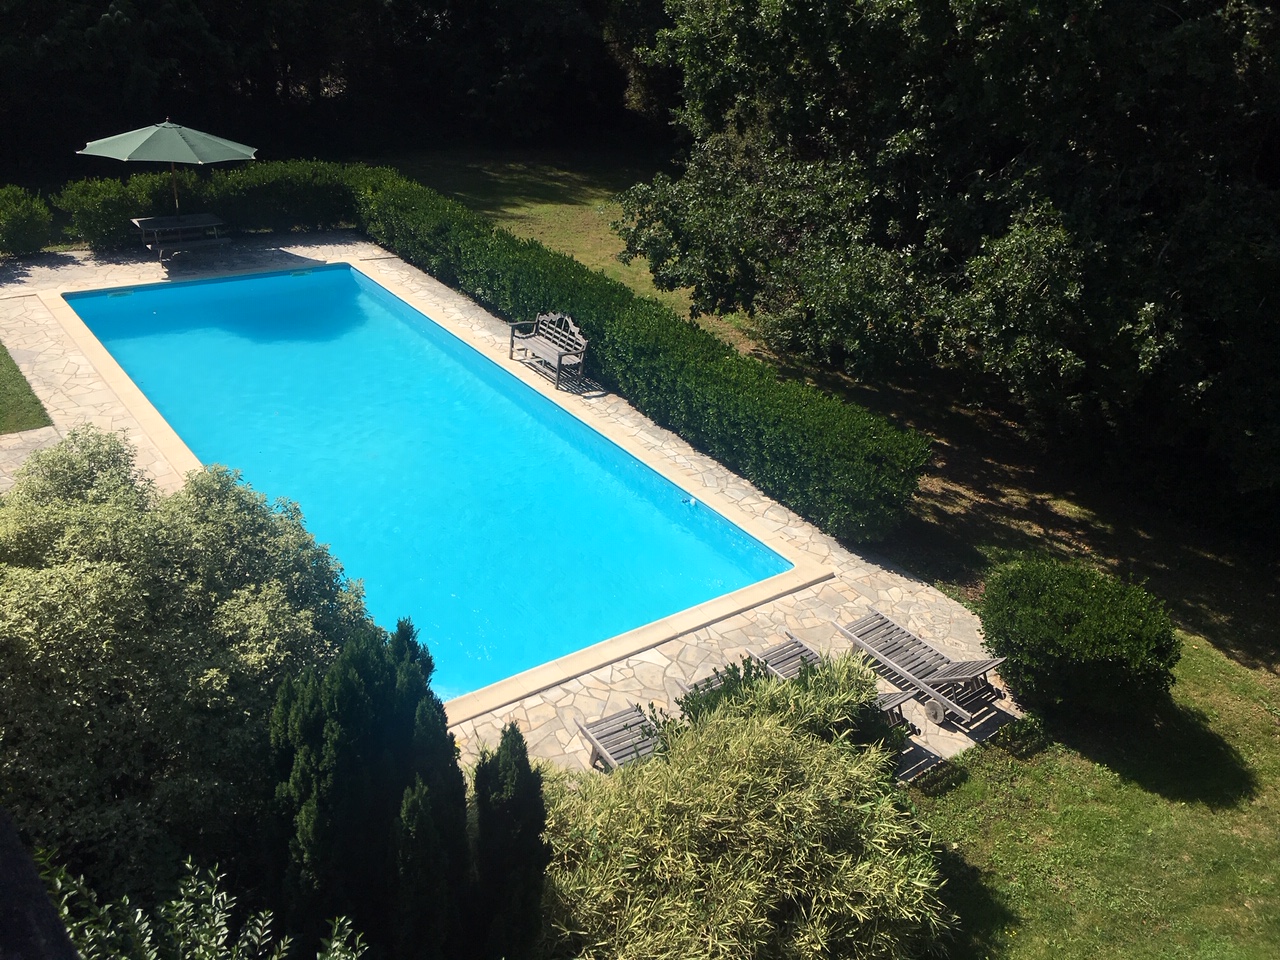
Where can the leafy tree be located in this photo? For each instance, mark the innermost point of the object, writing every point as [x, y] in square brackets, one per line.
[374, 800]
[511, 855]
[1076, 202]
[142, 639]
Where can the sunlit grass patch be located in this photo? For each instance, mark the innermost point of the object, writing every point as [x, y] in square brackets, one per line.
[1154, 839]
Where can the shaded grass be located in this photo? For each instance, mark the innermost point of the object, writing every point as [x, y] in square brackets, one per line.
[565, 199]
[19, 408]
[1152, 840]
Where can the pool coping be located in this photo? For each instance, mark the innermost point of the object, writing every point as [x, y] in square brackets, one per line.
[805, 572]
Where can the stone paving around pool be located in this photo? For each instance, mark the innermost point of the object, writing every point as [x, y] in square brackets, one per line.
[64, 376]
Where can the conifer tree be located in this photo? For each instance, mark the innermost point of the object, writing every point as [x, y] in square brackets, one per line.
[374, 798]
[511, 855]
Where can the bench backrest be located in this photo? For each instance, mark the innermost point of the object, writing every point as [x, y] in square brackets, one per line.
[560, 329]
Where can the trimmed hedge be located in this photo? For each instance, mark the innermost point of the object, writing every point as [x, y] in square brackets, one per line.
[25, 222]
[842, 467]
[1078, 639]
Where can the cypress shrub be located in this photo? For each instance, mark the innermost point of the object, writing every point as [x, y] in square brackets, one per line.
[1078, 639]
[511, 855]
[25, 222]
[373, 801]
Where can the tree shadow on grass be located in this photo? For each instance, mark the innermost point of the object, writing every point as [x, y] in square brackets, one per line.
[1172, 752]
[983, 914]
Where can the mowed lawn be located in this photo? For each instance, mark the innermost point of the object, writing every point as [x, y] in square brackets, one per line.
[1157, 839]
[564, 199]
[1154, 839]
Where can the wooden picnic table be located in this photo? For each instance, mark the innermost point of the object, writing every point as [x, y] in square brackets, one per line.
[184, 232]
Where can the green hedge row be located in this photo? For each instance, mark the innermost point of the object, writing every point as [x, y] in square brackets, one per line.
[845, 469]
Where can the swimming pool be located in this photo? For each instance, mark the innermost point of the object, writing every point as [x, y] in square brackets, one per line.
[508, 530]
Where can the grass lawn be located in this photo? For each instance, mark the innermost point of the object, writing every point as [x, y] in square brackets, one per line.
[1152, 840]
[1143, 840]
[19, 408]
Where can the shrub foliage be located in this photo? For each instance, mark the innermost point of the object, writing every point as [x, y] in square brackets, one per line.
[747, 839]
[25, 221]
[751, 835]
[847, 470]
[511, 854]
[201, 921]
[1077, 638]
[374, 800]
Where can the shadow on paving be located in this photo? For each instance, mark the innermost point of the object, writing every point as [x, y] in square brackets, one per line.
[1173, 753]
[933, 774]
[17, 269]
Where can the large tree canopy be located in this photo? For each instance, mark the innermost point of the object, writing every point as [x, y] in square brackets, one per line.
[1079, 201]
[296, 74]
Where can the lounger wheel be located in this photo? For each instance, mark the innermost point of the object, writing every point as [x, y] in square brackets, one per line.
[935, 711]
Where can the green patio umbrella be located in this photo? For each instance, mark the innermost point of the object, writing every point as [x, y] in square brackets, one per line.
[169, 142]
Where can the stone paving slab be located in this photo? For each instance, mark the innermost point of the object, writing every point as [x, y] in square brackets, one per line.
[74, 391]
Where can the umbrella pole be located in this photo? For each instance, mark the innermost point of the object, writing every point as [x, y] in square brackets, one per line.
[173, 174]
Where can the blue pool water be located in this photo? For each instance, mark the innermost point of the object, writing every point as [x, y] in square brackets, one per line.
[508, 530]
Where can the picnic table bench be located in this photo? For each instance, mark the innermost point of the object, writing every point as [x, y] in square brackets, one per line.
[184, 232]
[552, 341]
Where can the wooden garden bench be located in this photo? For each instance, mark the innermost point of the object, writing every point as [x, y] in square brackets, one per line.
[552, 341]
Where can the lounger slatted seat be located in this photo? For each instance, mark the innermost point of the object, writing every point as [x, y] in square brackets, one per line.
[620, 738]
[890, 705]
[785, 660]
[908, 661]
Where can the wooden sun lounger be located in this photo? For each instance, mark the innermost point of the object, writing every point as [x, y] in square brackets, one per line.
[785, 660]
[629, 734]
[620, 738]
[908, 661]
